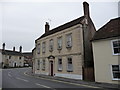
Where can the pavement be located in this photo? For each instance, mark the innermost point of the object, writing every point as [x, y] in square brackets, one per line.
[105, 86]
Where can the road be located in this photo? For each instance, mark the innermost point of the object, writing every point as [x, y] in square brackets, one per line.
[15, 78]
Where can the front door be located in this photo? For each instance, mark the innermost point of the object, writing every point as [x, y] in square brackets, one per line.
[51, 66]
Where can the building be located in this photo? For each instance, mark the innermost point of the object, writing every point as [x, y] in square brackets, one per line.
[106, 49]
[28, 59]
[12, 58]
[0, 58]
[66, 51]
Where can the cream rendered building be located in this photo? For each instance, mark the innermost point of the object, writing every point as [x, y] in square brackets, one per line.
[106, 49]
[60, 51]
[12, 58]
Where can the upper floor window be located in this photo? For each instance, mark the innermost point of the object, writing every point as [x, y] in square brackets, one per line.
[59, 64]
[69, 64]
[116, 47]
[51, 45]
[38, 48]
[43, 47]
[59, 43]
[116, 72]
[69, 40]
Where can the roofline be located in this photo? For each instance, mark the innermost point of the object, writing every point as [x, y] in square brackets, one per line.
[62, 26]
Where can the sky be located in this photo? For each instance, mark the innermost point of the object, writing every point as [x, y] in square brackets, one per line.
[23, 21]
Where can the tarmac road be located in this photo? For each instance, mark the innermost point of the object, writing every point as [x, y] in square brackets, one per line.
[16, 78]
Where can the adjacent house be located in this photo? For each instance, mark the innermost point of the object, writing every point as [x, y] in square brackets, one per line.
[27, 59]
[12, 58]
[106, 49]
[66, 51]
[0, 58]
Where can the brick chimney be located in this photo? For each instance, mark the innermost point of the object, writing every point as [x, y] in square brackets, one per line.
[20, 49]
[13, 48]
[47, 27]
[86, 9]
[3, 46]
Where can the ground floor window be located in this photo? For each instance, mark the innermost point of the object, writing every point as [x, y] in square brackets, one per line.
[38, 65]
[43, 64]
[69, 64]
[116, 72]
[59, 64]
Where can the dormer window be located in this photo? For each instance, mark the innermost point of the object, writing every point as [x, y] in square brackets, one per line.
[59, 43]
[69, 40]
[51, 45]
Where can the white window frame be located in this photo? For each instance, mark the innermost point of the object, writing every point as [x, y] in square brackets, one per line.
[113, 47]
[59, 43]
[68, 65]
[69, 40]
[60, 65]
[112, 73]
[43, 47]
[51, 45]
[38, 48]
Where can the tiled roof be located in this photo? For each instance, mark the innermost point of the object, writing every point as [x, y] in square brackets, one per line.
[9, 52]
[109, 30]
[63, 27]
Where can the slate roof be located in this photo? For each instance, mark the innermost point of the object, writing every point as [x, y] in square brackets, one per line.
[63, 27]
[109, 30]
[27, 54]
[9, 52]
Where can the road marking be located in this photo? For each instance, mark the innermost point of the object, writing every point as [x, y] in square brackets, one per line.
[9, 74]
[42, 85]
[63, 81]
[22, 79]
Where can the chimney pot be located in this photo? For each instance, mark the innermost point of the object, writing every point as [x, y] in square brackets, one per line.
[47, 27]
[3, 46]
[20, 49]
[13, 48]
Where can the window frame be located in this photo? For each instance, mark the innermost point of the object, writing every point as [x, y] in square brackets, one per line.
[113, 71]
[51, 45]
[43, 47]
[69, 69]
[43, 64]
[113, 46]
[59, 47]
[38, 48]
[68, 36]
[60, 66]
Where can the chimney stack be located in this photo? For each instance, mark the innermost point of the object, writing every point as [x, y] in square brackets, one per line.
[47, 27]
[3, 46]
[13, 48]
[86, 9]
[20, 49]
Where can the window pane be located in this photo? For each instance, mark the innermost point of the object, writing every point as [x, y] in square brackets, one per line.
[116, 50]
[115, 67]
[116, 75]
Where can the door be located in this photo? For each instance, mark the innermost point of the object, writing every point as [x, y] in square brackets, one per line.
[51, 68]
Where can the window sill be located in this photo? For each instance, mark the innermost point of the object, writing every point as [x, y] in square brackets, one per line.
[115, 79]
[69, 70]
[60, 70]
[116, 54]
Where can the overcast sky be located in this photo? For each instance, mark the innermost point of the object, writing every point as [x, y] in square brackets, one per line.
[23, 22]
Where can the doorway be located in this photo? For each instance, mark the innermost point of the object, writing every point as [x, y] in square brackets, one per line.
[51, 68]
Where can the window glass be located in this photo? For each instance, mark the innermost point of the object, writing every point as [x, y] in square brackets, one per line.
[116, 71]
